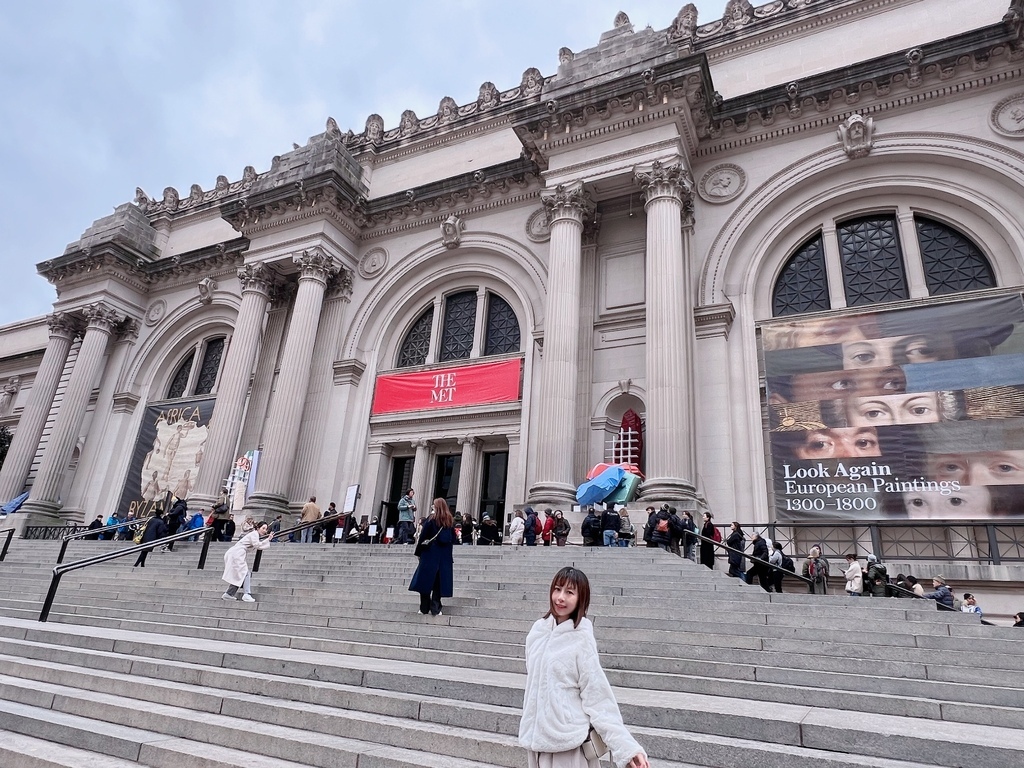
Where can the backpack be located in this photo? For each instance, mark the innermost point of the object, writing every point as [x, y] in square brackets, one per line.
[788, 564]
[538, 528]
[817, 571]
[662, 526]
[717, 535]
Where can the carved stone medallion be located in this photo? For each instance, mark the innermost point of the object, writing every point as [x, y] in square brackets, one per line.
[1007, 118]
[722, 184]
[373, 262]
[537, 228]
[156, 312]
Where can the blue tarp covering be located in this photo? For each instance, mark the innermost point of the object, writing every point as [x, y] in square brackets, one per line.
[14, 504]
[601, 487]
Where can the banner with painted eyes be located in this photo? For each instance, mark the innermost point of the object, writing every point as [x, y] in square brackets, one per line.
[897, 414]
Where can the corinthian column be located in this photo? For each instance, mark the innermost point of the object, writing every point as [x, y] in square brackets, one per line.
[669, 444]
[283, 421]
[568, 206]
[44, 500]
[234, 384]
[22, 451]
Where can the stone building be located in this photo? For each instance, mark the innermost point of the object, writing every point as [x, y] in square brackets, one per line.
[469, 302]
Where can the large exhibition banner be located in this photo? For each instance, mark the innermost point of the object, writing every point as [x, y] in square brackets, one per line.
[910, 413]
[167, 454]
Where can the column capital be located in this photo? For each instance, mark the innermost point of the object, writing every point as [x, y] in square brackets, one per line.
[64, 325]
[569, 202]
[128, 330]
[256, 278]
[314, 264]
[340, 284]
[661, 180]
[469, 440]
[420, 443]
[102, 317]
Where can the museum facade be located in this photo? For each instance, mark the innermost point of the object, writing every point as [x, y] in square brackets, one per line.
[695, 224]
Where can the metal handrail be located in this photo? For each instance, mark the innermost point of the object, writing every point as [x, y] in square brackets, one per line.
[740, 552]
[132, 524]
[299, 527]
[60, 570]
[7, 541]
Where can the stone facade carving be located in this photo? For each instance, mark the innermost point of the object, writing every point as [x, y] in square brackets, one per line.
[409, 123]
[621, 20]
[155, 313]
[373, 262]
[206, 287]
[738, 13]
[101, 315]
[256, 277]
[315, 264]
[8, 393]
[1007, 117]
[683, 29]
[532, 82]
[374, 130]
[488, 98]
[856, 134]
[451, 231]
[565, 55]
[537, 227]
[659, 179]
[568, 201]
[914, 58]
[722, 184]
[171, 199]
[447, 110]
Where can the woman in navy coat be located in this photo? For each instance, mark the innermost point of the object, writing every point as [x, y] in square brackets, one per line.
[433, 578]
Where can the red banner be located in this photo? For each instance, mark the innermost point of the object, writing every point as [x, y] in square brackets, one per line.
[478, 384]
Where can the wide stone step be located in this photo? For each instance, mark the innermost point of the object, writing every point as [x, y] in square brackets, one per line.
[20, 751]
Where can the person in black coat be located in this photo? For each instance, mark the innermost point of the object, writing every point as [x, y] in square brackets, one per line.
[761, 572]
[530, 534]
[467, 529]
[591, 529]
[434, 578]
[175, 519]
[611, 522]
[664, 526]
[736, 541]
[689, 527]
[489, 533]
[707, 548]
[156, 528]
[97, 523]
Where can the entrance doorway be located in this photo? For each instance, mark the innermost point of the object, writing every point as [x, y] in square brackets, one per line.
[492, 494]
[446, 479]
[401, 480]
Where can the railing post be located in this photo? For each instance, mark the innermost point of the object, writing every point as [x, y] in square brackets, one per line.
[7, 543]
[256, 560]
[63, 549]
[993, 544]
[50, 595]
[206, 548]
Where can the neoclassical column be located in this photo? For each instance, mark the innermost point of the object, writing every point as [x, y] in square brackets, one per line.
[63, 329]
[44, 500]
[554, 435]
[468, 493]
[670, 462]
[421, 476]
[283, 421]
[233, 384]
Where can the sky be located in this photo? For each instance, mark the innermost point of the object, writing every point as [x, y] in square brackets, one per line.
[100, 97]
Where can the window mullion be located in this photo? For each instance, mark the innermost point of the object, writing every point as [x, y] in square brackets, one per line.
[197, 364]
[480, 327]
[433, 351]
[917, 285]
[833, 266]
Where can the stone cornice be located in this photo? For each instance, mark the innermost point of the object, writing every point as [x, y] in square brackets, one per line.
[930, 71]
[348, 372]
[142, 274]
[714, 320]
[125, 402]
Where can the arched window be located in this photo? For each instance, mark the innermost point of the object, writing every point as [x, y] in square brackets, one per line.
[802, 285]
[458, 330]
[502, 327]
[872, 265]
[190, 379]
[459, 326]
[416, 344]
[952, 263]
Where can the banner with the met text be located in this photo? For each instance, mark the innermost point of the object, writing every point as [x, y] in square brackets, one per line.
[900, 414]
[473, 384]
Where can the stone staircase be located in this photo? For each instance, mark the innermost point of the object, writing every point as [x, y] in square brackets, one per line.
[333, 666]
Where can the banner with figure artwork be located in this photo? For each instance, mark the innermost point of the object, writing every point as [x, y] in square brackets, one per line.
[167, 455]
[899, 414]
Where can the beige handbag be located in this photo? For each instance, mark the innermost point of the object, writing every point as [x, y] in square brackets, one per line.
[594, 747]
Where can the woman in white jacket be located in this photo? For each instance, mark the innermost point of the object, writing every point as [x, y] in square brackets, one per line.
[567, 693]
[854, 577]
[236, 569]
[517, 528]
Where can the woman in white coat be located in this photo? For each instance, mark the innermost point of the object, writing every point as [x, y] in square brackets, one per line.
[567, 694]
[517, 528]
[236, 569]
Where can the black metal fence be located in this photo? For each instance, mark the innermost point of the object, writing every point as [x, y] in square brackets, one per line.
[967, 541]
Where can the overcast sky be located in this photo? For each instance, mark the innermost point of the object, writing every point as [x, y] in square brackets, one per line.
[104, 96]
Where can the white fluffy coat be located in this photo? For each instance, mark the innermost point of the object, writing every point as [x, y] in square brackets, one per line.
[567, 693]
[235, 566]
[854, 578]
